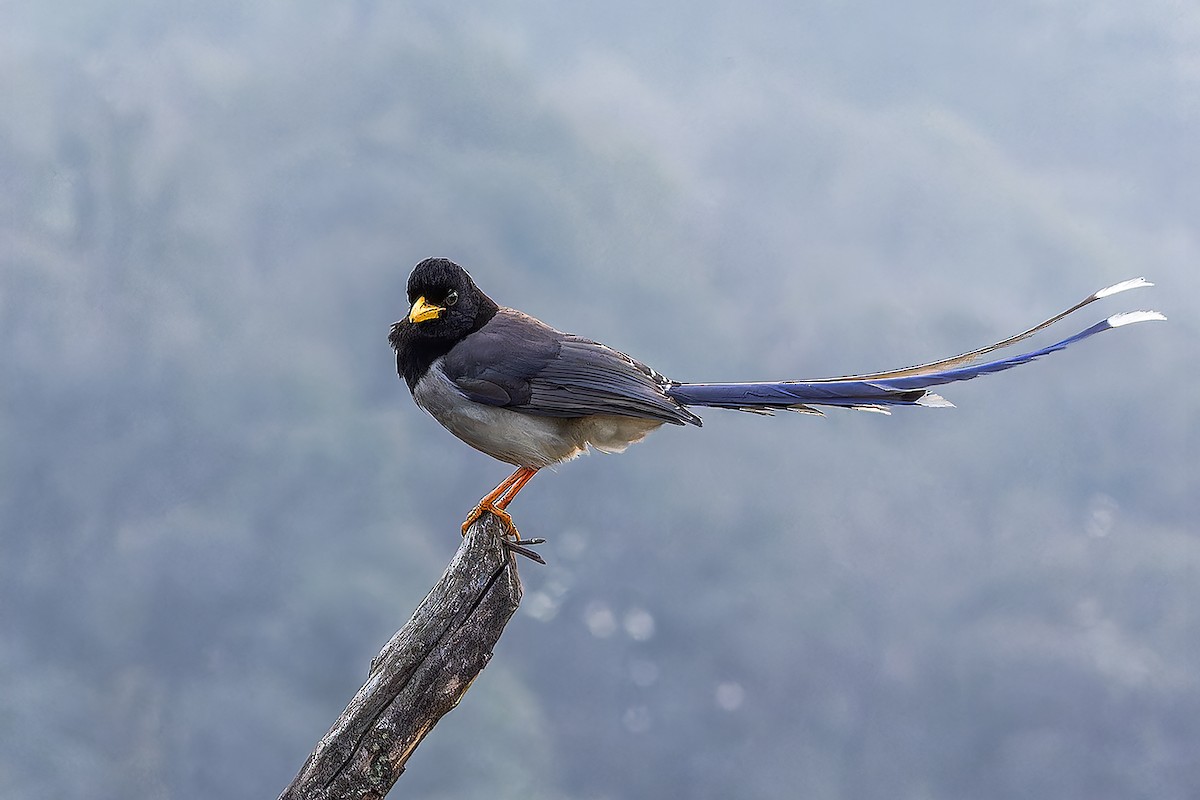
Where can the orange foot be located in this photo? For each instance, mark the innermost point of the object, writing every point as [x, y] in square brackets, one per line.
[497, 500]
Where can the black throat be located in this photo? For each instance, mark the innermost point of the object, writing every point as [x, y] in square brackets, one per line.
[416, 351]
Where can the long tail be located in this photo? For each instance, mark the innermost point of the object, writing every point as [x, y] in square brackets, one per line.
[902, 387]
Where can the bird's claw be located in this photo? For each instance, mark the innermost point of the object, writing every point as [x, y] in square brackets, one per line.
[512, 537]
[504, 517]
[517, 546]
[489, 508]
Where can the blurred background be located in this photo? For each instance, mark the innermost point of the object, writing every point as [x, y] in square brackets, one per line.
[217, 501]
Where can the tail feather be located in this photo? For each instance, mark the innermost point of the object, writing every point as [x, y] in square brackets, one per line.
[904, 387]
[967, 358]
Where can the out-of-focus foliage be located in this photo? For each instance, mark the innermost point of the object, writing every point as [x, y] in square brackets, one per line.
[217, 501]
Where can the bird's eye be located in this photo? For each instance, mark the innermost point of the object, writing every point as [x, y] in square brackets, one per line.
[451, 297]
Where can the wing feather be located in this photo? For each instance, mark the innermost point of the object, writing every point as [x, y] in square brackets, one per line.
[518, 362]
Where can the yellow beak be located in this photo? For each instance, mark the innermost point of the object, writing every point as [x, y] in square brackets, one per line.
[424, 310]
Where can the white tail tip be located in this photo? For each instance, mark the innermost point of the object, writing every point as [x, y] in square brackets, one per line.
[1130, 317]
[874, 408]
[1132, 283]
[934, 401]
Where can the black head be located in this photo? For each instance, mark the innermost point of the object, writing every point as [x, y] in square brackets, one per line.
[445, 305]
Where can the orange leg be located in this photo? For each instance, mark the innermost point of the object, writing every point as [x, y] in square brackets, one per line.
[495, 501]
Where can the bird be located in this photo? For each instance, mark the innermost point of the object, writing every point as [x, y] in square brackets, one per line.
[532, 396]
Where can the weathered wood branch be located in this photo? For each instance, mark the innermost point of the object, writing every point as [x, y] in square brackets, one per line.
[419, 675]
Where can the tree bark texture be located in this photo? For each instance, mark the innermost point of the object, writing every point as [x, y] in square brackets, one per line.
[420, 674]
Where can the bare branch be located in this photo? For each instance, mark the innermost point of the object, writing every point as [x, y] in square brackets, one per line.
[420, 674]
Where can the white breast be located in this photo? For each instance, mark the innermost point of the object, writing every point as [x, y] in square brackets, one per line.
[525, 440]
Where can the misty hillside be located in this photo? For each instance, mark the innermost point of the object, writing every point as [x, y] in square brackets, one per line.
[217, 501]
